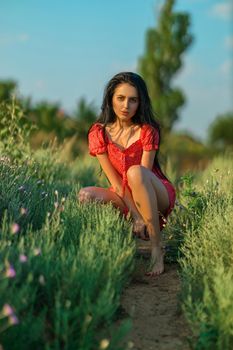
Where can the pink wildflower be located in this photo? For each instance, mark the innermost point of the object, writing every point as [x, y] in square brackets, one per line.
[7, 310]
[23, 258]
[10, 272]
[15, 228]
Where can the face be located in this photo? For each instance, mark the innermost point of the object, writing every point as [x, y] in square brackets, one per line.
[125, 101]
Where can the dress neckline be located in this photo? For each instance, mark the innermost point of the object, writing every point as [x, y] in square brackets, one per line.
[124, 149]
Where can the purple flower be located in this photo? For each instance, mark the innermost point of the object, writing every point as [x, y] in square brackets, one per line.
[10, 272]
[13, 319]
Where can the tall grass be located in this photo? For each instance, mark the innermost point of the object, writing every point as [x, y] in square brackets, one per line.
[62, 264]
[207, 262]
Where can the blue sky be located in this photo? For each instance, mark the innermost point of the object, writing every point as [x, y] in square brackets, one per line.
[62, 50]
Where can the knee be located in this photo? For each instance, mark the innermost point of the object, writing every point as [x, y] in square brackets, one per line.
[135, 175]
[85, 195]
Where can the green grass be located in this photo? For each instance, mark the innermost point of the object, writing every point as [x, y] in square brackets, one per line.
[63, 265]
[207, 262]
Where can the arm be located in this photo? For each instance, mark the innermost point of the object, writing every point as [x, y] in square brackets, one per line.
[116, 182]
[112, 175]
[148, 159]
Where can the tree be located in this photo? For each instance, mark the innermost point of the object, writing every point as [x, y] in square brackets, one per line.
[7, 89]
[162, 59]
[220, 132]
[85, 114]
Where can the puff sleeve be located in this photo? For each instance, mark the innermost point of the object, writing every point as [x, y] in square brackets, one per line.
[149, 138]
[96, 141]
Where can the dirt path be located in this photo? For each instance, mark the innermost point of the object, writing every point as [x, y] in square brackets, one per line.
[152, 304]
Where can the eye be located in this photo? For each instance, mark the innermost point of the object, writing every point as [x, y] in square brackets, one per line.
[120, 98]
[134, 99]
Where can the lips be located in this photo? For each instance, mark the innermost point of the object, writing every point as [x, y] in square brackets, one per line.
[125, 113]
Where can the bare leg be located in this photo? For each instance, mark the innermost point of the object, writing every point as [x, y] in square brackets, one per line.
[150, 196]
[104, 195]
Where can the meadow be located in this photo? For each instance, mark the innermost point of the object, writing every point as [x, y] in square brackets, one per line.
[64, 265]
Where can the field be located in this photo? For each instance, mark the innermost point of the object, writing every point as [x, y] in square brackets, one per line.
[65, 266]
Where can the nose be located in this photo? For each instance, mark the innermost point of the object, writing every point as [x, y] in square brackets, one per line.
[126, 103]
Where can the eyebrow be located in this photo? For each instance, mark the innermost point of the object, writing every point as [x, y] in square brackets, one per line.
[120, 95]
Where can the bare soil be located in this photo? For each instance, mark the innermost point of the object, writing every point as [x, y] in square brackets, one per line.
[153, 305]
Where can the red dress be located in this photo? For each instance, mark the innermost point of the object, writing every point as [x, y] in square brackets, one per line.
[123, 159]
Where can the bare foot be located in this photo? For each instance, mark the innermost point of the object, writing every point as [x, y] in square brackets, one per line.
[139, 229]
[157, 261]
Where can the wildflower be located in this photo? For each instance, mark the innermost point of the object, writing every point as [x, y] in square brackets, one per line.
[41, 280]
[37, 251]
[56, 193]
[63, 200]
[10, 272]
[7, 310]
[23, 211]
[13, 319]
[15, 228]
[23, 258]
[104, 344]
[56, 204]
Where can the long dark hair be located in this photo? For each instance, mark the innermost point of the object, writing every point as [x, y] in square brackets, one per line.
[144, 114]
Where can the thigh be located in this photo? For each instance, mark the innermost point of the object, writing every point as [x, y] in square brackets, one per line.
[159, 189]
[103, 195]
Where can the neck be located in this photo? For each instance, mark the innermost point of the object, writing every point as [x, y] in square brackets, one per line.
[123, 124]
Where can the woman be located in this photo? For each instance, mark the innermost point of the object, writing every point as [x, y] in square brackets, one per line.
[125, 139]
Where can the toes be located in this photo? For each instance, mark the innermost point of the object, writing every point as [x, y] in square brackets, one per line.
[154, 273]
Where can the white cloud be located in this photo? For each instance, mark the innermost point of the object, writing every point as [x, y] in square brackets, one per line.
[229, 42]
[222, 10]
[9, 39]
